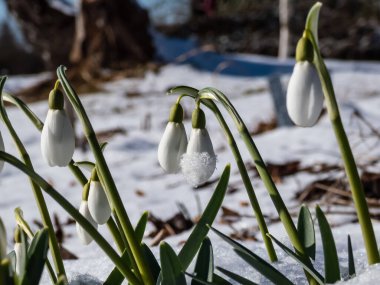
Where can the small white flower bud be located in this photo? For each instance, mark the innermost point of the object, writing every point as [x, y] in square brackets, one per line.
[57, 138]
[84, 237]
[199, 162]
[98, 203]
[172, 146]
[20, 255]
[304, 97]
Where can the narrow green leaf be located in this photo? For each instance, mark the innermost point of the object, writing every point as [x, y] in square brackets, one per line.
[6, 275]
[3, 240]
[172, 272]
[103, 146]
[204, 267]
[219, 280]
[36, 256]
[198, 280]
[263, 267]
[318, 277]
[85, 164]
[351, 262]
[332, 271]
[190, 249]
[255, 261]
[305, 229]
[236, 277]
[61, 280]
[141, 225]
[154, 267]
[312, 20]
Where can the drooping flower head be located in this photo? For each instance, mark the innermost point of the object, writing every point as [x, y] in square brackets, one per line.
[199, 161]
[304, 97]
[84, 237]
[58, 137]
[98, 204]
[174, 141]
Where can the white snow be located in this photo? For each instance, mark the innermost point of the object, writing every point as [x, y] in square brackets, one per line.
[132, 158]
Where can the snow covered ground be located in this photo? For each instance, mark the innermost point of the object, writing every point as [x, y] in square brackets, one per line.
[140, 107]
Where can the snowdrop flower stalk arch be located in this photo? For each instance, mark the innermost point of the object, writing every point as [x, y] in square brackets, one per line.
[186, 91]
[311, 32]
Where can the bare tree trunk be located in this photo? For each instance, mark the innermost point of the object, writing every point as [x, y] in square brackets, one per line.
[283, 42]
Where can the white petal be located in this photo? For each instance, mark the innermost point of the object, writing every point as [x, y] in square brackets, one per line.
[20, 255]
[304, 97]
[172, 146]
[199, 162]
[57, 139]
[84, 237]
[98, 203]
[2, 149]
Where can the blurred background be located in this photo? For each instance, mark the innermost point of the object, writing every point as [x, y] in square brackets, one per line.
[104, 39]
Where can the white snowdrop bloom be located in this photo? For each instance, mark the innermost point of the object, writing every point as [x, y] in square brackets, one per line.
[172, 146]
[174, 141]
[304, 97]
[20, 255]
[199, 161]
[84, 237]
[58, 137]
[98, 205]
[2, 148]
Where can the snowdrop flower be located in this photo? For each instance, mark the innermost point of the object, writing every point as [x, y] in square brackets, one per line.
[304, 97]
[98, 205]
[58, 138]
[174, 141]
[19, 251]
[2, 148]
[198, 164]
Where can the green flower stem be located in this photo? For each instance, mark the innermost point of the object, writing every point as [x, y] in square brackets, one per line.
[74, 213]
[242, 169]
[53, 243]
[116, 234]
[348, 158]
[110, 186]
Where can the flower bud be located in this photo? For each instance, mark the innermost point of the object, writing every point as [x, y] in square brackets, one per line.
[199, 162]
[84, 237]
[304, 99]
[19, 251]
[173, 142]
[98, 205]
[58, 137]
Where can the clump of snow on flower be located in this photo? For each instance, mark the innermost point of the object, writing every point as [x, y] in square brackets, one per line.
[197, 167]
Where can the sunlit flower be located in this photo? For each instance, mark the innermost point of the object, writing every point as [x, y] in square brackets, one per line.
[84, 237]
[98, 204]
[174, 141]
[304, 97]
[199, 161]
[57, 138]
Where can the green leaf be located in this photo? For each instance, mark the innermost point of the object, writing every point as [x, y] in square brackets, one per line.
[85, 164]
[103, 146]
[218, 280]
[6, 275]
[154, 267]
[190, 249]
[204, 267]
[236, 277]
[306, 233]
[255, 261]
[332, 271]
[36, 257]
[172, 272]
[312, 20]
[141, 225]
[3, 241]
[315, 274]
[351, 262]
[115, 276]
[61, 280]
